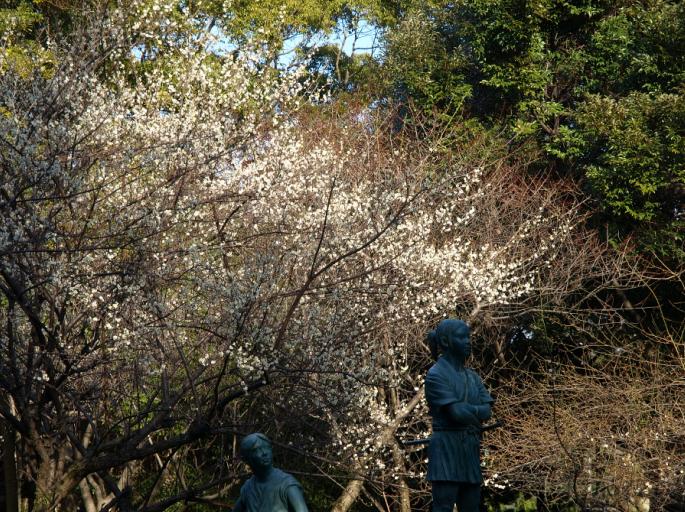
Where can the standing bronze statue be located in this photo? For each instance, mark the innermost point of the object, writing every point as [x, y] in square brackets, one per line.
[269, 489]
[458, 403]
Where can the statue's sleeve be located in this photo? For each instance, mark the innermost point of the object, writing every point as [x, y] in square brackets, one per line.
[295, 498]
[483, 394]
[438, 390]
[287, 483]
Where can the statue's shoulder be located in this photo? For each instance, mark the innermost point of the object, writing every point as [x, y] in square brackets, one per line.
[439, 369]
[284, 479]
[248, 485]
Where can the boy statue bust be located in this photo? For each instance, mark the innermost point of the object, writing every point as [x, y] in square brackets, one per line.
[269, 489]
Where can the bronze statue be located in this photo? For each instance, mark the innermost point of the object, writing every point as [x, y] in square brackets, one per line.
[269, 489]
[458, 403]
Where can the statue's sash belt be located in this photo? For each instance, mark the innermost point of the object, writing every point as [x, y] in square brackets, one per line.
[469, 429]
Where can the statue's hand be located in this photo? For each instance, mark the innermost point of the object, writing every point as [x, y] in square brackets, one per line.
[463, 414]
[483, 412]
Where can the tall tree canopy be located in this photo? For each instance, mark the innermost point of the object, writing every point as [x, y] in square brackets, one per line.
[597, 85]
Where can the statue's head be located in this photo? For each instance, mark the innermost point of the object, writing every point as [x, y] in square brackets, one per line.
[452, 337]
[255, 449]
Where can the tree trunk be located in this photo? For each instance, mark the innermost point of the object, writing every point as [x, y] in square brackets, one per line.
[398, 456]
[9, 466]
[87, 496]
[354, 486]
[348, 496]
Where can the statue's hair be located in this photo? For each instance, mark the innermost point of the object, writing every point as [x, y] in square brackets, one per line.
[438, 334]
[250, 441]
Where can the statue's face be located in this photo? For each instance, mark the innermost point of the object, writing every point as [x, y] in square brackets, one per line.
[458, 342]
[260, 456]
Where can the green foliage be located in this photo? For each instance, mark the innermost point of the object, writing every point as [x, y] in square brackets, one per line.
[21, 47]
[639, 142]
[428, 74]
[19, 19]
[596, 84]
[637, 167]
[277, 22]
[519, 504]
[341, 72]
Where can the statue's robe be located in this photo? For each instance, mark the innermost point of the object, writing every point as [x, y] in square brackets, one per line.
[454, 450]
[269, 496]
